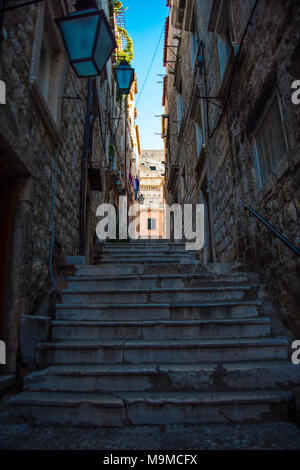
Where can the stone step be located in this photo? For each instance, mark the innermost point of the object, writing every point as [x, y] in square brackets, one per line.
[145, 408]
[157, 330]
[191, 294]
[164, 351]
[145, 258]
[168, 311]
[147, 250]
[154, 268]
[207, 377]
[142, 242]
[148, 281]
[176, 249]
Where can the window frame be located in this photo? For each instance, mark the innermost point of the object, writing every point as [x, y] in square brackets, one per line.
[194, 40]
[275, 96]
[50, 105]
[199, 121]
[221, 24]
[151, 219]
[180, 106]
[225, 39]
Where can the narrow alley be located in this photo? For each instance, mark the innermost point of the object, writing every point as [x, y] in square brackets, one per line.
[149, 280]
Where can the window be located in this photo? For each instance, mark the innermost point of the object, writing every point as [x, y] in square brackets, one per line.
[199, 138]
[179, 107]
[47, 67]
[199, 129]
[224, 46]
[182, 180]
[151, 224]
[270, 141]
[193, 41]
[152, 168]
[221, 24]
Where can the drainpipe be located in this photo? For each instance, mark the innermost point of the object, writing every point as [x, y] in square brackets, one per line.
[82, 210]
[211, 227]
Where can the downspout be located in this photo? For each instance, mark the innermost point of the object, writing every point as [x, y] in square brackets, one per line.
[82, 210]
[211, 227]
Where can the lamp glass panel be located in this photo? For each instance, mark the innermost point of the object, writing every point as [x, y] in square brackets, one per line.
[124, 78]
[85, 69]
[104, 47]
[79, 34]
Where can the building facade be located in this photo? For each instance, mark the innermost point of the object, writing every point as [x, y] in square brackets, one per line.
[56, 161]
[231, 132]
[151, 175]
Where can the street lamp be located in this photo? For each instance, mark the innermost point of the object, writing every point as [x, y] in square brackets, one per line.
[87, 37]
[141, 199]
[125, 77]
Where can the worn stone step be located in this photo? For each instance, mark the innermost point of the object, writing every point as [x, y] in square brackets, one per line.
[152, 330]
[167, 311]
[145, 259]
[155, 268]
[164, 351]
[158, 248]
[157, 295]
[145, 408]
[147, 251]
[142, 242]
[150, 281]
[202, 377]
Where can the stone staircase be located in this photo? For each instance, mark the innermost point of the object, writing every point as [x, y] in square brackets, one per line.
[149, 336]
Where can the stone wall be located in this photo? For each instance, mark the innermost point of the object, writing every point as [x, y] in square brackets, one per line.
[268, 63]
[38, 129]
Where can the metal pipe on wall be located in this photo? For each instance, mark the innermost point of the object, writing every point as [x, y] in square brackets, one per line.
[82, 210]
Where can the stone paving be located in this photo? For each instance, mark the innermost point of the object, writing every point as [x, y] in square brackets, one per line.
[266, 436]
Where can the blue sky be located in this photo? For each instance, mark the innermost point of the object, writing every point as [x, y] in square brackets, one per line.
[145, 20]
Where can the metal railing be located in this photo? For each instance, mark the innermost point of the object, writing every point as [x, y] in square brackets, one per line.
[273, 230]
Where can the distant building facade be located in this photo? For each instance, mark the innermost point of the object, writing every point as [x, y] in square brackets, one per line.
[151, 174]
[231, 132]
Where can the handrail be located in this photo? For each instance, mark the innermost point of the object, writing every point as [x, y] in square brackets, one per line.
[273, 230]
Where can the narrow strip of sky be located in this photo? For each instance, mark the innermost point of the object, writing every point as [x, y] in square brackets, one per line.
[145, 20]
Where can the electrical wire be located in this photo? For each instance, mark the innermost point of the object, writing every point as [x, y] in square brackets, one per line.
[150, 67]
[52, 220]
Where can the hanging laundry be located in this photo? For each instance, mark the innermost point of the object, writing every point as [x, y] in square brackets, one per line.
[137, 187]
[137, 183]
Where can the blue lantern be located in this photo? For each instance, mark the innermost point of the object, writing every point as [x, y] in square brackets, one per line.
[125, 77]
[88, 38]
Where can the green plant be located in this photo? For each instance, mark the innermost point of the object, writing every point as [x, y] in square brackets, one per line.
[119, 98]
[111, 151]
[127, 52]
